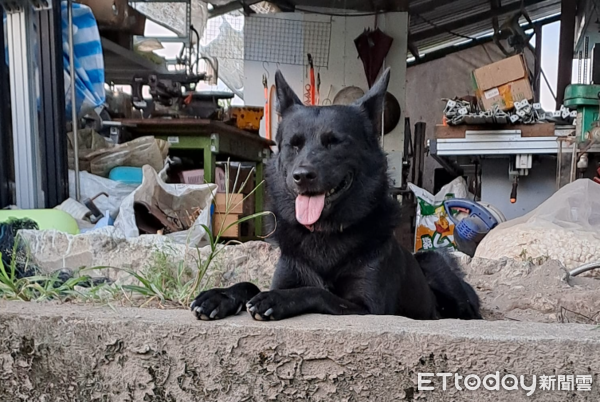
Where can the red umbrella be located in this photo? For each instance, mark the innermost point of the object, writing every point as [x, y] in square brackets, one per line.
[373, 47]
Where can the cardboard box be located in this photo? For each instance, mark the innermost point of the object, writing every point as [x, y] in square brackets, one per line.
[503, 83]
[197, 177]
[237, 204]
[244, 173]
[222, 221]
[192, 176]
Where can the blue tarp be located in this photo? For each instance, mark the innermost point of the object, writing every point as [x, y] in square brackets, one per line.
[89, 62]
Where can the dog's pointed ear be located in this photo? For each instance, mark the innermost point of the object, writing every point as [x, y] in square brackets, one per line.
[286, 98]
[372, 101]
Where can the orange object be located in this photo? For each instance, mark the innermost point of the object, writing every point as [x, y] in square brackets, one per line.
[267, 109]
[513, 193]
[273, 116]
[246, 117]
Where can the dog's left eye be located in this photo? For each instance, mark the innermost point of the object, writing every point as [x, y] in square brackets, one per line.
[329, 139]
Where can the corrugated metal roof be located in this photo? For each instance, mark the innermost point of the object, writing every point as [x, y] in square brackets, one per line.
[459, 10]
[436, 24]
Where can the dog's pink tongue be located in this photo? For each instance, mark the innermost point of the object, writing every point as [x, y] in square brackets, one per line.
[309, 208]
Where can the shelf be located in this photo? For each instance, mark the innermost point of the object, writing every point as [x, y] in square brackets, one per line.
[120, 64]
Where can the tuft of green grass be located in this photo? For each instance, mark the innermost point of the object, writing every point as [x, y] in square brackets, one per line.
[36, 288]
[164, 281]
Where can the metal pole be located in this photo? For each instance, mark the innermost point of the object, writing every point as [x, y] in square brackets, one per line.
[565, 57]
[73, 100]
[538, 62]
[5, 157]
[53, 120]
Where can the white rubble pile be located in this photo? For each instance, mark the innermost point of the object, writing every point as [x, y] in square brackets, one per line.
[566, 228]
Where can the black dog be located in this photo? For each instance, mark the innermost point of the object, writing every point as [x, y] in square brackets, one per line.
[335, 220]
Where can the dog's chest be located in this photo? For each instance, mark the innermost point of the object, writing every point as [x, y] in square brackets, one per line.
[326, 251]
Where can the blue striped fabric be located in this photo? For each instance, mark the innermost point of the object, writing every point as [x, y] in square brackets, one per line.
[89, 62]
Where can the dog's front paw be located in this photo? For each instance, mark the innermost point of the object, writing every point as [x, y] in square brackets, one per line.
[215, 304]
[269, 306]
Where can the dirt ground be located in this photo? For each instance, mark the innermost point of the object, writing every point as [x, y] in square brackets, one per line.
[525, 291]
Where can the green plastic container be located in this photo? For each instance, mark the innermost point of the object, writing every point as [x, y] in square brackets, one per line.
[45, 218]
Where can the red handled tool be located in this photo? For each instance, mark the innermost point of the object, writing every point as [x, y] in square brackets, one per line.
[513, 193]
[310, 95]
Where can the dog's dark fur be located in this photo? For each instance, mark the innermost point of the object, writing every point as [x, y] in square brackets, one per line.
[348, 262]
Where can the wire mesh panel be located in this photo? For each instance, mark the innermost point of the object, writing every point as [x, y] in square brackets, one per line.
[276, 40]
[223, 37]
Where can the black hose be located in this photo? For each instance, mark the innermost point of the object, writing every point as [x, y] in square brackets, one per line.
[197, 47]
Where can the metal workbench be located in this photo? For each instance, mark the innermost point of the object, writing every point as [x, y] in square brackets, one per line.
[496, 143]
[496, 157]
[502, 142]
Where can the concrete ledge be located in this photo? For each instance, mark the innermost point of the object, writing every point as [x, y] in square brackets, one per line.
[70, 353]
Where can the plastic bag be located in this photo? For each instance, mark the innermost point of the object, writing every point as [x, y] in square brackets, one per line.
[180, 197]
[433, 229]
[566, 227]
[91, 185]
[137, 153]
[89, 141]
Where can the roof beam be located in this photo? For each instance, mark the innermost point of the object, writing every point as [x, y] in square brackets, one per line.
[496, 4]
[231, 6]
[486, 15]
[414, 50]
[355, 5]
[438, 54]
[565, 55]
[430, 6]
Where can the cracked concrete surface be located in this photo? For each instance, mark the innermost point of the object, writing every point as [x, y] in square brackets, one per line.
[68, 353]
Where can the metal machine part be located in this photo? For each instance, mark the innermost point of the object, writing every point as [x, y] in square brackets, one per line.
[518, 166]
[462, 111]
[497, 142]
[512, 31]
[95, 214]
[165, 89]
[174, 96]
[585, 101]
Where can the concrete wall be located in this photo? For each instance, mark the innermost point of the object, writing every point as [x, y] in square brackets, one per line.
[533, 189]
[428, 83]
[448, 77]
[67, 353]
[345, 68]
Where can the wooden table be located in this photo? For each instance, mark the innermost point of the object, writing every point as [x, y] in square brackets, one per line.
[214, 139]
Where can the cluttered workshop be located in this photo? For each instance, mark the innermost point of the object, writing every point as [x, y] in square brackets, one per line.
[156, 119]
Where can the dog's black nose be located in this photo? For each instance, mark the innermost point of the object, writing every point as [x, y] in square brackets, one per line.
[304, 175]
